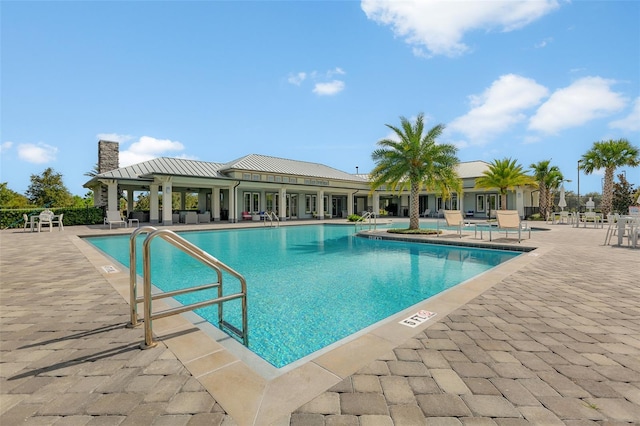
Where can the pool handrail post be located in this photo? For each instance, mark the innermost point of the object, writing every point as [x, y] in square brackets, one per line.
[133, 275]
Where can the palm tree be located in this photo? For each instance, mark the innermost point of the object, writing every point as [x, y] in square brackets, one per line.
[609, 155]
[504, 175]
[415, 160]
[549, 178]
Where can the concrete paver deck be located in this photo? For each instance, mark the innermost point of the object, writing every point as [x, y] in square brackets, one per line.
[554, 342]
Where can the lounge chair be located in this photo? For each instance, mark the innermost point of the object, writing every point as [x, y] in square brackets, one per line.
[454, 219]
[113, 216]
[509, 221]
[426, 213]
[246, 216]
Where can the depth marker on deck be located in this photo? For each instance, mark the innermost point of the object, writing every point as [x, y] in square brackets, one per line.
[109, 269]
[418, 318]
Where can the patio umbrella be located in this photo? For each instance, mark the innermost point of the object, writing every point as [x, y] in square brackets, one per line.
[562, 203]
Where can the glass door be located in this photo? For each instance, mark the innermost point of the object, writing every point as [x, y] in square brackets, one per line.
[292, 206]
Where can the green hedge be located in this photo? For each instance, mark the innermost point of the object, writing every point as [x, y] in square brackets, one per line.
[12, 218]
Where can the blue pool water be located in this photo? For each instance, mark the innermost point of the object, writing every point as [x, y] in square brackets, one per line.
[309, 286]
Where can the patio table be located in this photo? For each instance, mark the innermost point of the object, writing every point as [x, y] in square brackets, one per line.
[482, 226]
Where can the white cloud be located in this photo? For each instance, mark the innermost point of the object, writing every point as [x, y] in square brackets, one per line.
[586, 99]
[630, 122]
[6, 146]
[297, 79]
[543, 43]
[114, 137]
[328, 89]
[498, 107]
[320, 85]
[39, 153]
[440, 26]
[336, 70]
[148, 148]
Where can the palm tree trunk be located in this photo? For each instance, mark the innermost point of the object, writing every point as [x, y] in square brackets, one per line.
[544, 201]
[607, 192]
[414, 207]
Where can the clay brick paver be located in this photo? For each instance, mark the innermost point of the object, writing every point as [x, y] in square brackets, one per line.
[554, 342]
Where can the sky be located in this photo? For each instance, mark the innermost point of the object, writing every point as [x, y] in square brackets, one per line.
[314, 81]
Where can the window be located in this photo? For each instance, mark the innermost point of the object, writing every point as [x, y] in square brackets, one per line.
[480, 203]
[247, 202]
[310, 203]
[270, 178]
[251, 202]
[454, 202]
[326, 204]
[246, 176]
[256, 201]
[256, 177]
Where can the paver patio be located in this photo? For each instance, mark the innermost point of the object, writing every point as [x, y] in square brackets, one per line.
[554, 342]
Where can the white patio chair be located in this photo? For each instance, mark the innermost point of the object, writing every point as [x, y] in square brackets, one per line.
[114, 217]
[57, 220]
[45, 218]
[27, 222]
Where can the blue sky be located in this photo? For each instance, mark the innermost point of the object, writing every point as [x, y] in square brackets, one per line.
[313, 80]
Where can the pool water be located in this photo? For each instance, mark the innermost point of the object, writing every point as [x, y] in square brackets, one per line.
[308, 286]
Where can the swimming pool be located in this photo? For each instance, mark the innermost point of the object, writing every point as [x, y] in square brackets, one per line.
[312, 285]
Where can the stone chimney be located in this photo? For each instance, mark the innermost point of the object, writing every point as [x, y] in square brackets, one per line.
[108, 159]
[108, 153]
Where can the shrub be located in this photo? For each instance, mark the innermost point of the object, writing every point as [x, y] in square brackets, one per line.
[12, 218]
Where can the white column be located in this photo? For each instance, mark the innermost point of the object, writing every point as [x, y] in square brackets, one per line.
[112, 195]
[167, 218]
[215, 204]
[233, 209]
[376, 204]
[282, 204]
[350, 204]
[320, 204]
[153, 203]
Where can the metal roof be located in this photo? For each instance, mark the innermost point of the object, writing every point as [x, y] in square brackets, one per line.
[252, 163]
[166, 166]
[266, 164]
[472, 169]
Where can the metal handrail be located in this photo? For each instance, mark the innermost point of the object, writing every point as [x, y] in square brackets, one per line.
[364, 217]
[133, 286]
[198, 254]
[271, 216]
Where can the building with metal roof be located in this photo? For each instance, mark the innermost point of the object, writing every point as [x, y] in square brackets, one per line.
[247, 187]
